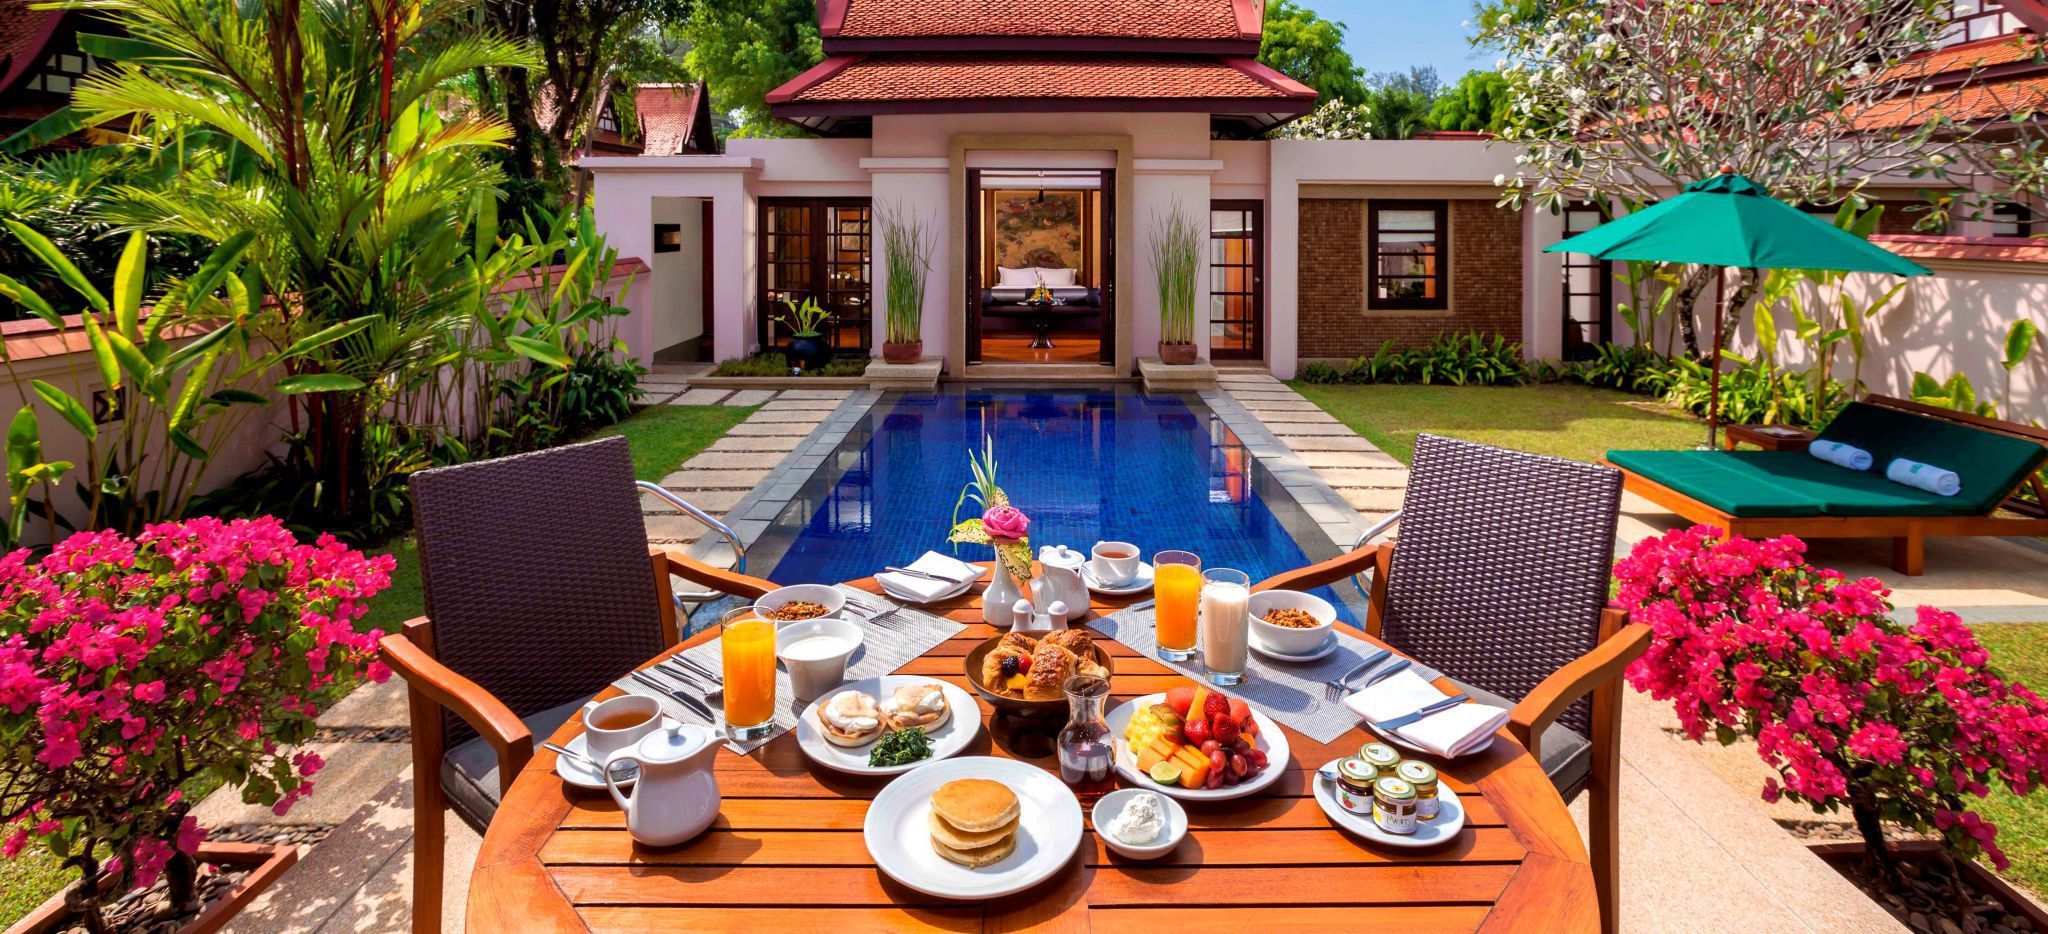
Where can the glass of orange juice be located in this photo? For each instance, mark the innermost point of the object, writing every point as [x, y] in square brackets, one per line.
[1176, 590]
[747, 643]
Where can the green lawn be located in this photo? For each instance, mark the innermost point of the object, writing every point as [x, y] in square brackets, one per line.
[2021, 650]
[662, 437]
[1560, 419]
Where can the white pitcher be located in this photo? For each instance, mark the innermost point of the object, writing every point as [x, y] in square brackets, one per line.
[1060, 569]
[676, 796]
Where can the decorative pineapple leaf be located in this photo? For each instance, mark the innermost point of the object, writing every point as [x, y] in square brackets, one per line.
[1016, 558]
[969, 532]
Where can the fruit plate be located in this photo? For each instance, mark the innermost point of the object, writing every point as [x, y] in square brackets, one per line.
[1449, 820]
[1271, 740]
[948, 740]
[898, 830]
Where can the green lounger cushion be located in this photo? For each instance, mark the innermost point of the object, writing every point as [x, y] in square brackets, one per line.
[1760, 484]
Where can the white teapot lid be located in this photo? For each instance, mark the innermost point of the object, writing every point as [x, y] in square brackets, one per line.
[1060, 556]
[674, 742]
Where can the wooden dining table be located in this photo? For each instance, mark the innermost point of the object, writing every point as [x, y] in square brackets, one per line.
[787, 852]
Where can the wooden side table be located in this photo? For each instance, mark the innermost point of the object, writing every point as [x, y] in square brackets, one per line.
[1768, 437]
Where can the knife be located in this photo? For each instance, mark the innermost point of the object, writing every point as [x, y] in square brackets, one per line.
[1399, 665]
[924, 574]
[696, 706]
[1405, 719]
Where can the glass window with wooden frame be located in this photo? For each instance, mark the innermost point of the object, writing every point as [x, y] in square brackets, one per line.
[1407, 255]
[1588, 289]
[816, 248]
[2011, 220]
[1235, 299]
[1979, 19]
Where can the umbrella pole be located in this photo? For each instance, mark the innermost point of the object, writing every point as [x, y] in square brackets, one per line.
[1714, 378]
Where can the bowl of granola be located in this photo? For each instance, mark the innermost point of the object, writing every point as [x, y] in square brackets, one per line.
[798, 602]
[1291, 622]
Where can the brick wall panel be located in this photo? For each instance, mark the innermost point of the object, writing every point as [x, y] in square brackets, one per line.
[1485, 280]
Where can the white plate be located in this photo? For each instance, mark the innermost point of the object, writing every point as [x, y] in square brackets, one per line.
[1450, 817]
[951, 736]
[1329, 645]
[912, 598]
[575, 772]
[1271, 740]
[899, 836]
[1138, 584]
[1395, 738]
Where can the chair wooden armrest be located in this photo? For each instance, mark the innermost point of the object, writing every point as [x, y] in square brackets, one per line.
[723, 581]
[491, 719]
[1582, 676]
[1328, 572]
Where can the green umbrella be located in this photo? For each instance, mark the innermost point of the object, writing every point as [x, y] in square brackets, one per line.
[1729, 220]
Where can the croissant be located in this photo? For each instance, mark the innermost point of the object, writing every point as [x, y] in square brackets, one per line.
[1051, 666]
[1077, 641]
[992, 667]
[1018, 641]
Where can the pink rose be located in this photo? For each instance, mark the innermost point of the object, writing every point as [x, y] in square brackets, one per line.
[1005, 523]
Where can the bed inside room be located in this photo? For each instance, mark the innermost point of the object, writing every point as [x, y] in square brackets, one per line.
[1041, 258]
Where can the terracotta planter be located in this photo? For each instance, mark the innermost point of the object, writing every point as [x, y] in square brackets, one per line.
[1177, 354]
[902, 353]
[266, 863]
[1984, 880]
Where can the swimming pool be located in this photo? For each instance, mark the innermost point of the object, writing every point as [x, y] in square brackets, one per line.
[1086, 465]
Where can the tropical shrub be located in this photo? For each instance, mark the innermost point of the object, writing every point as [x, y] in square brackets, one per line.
[1900, 723]
[907, 256]
[65, 197]
[1457, 359]
[775, 364]
[130, 666]
[1177, 239]
[1615, 366]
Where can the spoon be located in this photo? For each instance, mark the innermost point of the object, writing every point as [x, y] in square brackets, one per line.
[623, 771]
[1329, 771]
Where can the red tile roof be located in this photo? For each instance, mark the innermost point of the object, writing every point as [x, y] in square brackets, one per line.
[23, 34]
[1014, 76]
[1127, 19]
[668, 118]
[1992, 99]
[2018, 49]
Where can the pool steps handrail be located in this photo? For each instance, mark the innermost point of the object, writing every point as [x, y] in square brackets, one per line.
[711, 522]
[1358, 579]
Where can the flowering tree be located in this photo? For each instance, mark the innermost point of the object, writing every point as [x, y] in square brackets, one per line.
[128, 667]
[1900, 723]
[1630, 101]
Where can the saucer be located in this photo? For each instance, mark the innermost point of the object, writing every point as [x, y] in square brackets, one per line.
[1328, 645]
[1138, 584]
[575, 772]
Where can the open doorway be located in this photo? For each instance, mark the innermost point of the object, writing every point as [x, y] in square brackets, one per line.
[1040, 268]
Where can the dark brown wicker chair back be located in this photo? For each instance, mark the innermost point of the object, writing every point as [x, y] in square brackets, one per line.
[1502, 565]
[536, 574]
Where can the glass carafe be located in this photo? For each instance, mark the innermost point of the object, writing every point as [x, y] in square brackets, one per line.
[1087, 755]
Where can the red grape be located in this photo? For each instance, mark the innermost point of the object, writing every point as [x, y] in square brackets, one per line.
[1211, 746]
[1257, 758]
[1239, 767]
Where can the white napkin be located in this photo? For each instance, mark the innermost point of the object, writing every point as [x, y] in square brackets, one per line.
[1449, 733]
[1924, 477]
[1840, 455]
[921, 589]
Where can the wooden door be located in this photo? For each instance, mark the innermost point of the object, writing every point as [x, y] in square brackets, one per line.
[1237, 281]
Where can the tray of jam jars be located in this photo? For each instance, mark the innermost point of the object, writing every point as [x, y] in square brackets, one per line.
[1389, 800]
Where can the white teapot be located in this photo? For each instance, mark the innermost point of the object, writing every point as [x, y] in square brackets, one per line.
[1060, 570]
[676, 796]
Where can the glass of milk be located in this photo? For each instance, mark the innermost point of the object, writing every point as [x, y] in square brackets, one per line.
[1225, 624]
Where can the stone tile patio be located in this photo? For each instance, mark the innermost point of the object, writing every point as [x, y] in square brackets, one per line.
[1701, 852]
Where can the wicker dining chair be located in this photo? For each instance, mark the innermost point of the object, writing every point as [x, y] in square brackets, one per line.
[540, 590]
[1499, 579]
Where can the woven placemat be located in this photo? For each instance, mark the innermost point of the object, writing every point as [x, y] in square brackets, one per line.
[884, 648]
[1287, 692]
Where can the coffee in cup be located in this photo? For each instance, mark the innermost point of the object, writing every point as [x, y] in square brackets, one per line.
[1113, 562]
[619, 723]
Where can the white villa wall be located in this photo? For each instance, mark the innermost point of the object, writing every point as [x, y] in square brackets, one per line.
[674, 290]
[1153, 135]
[914, 189]
[625, 190]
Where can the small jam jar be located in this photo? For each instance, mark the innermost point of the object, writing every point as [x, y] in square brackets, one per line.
[1383, 757]
[1422, 777]
[1393, 805]
[1354, 785]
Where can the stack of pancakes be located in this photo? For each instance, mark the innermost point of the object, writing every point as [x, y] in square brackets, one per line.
[974, 821]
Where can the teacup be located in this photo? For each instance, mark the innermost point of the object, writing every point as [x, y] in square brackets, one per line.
[1113, 562]
[619, 723]
[814, 651]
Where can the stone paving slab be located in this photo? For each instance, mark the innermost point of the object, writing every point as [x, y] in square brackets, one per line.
[734, 460]
[1248, 397]
[353, 773]
[758, 443]
[1348, 478]
[785, 416]
[1323, 460]
[785, 404]
[687, 482]
[1262, 407]
[750, 397]
[715, 502]
[700, 397]
[833, 394]
[1373, 500]
[1333, 427]
[370, 706]
[1284, 422]
[1305, 443]
[751, 427]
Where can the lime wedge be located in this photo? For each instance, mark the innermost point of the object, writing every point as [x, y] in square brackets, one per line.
[1165, 773]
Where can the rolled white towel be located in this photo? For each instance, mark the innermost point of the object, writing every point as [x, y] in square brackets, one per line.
[1840, 455]
[1924, 477]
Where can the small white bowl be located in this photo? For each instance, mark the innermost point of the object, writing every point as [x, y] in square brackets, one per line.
[1112, 804]
[811, 676]
[1285, 640]
[824, 595]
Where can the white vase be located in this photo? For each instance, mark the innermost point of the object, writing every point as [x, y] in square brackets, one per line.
[997, 601]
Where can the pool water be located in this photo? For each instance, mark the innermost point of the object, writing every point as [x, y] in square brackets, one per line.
[1086, 465]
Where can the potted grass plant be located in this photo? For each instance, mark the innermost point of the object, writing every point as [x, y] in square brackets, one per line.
[1176, 261]
[907, 255]
[807, 348]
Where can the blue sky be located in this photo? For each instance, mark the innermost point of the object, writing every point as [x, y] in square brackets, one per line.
[1391, 35]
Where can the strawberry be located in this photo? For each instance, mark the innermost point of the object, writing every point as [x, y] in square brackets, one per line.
[1224, 729]
[1217, 706]
[1196, 731]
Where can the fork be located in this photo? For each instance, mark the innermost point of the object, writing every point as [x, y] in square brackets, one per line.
[880, 615]
[690, 676]
[1335, 688]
